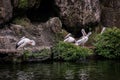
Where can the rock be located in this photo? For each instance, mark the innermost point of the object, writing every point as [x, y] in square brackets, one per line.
[50, 31]
[78, 12]
[6, 10]
[110, 15]
[54, 24]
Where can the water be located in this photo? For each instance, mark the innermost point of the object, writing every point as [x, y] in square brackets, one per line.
[99, 70]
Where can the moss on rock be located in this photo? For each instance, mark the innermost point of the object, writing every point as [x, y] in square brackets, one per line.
[23, 4]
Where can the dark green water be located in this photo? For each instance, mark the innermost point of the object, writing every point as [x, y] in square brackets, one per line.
[99, 70]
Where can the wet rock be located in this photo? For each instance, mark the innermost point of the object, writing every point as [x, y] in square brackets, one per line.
[78, 12]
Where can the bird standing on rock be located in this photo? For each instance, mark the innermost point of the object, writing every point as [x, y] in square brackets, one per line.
[24, 41]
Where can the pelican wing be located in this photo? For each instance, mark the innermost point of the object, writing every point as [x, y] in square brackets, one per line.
[79, 42]
[23, 42]
[69, 39]
[19, 43]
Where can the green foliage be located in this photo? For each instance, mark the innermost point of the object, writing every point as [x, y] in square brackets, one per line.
[26, 55]
[23, 4]
[70, 52]
[42, 53]
[108, 43]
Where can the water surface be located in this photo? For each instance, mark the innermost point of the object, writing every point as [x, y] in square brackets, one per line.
[99, 70]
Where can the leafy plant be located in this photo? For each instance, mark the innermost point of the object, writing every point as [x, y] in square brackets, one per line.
[108, 43]
[70, 52]
[42, 53]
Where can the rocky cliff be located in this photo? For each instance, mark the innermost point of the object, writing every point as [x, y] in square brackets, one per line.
[73, 15]
[43, 20]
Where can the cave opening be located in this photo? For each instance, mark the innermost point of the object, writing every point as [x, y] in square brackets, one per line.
[46, 10]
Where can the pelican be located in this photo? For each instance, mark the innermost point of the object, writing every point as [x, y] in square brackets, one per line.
[69, 38]
[84, 38]
[83, 32]
[103, 29]
[24, 41]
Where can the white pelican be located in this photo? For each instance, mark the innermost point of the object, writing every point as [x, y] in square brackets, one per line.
[103, 29]
[83, 40]
[69, 38]
[83, 32]
[24, 41]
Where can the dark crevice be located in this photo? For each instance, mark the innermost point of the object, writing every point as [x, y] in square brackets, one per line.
[46, 10]
[76, 31]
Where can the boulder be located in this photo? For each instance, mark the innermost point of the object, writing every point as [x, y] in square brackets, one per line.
[110, 15]
[75, 13]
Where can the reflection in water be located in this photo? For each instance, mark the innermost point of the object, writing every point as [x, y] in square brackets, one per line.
[69, 74]
[101, 70]
[25, 75]
[83, 74]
